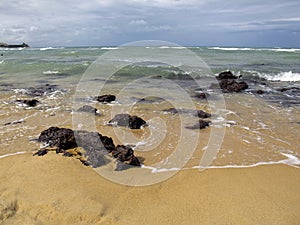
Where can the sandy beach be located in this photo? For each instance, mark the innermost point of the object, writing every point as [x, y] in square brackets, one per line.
[58, 190]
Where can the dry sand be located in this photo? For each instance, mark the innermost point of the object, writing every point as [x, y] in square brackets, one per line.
[57, 190]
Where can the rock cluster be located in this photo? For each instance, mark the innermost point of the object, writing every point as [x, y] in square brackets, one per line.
[95, 146]
[228, 83]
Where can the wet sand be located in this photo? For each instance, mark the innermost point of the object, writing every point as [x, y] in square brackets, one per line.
[58, 190]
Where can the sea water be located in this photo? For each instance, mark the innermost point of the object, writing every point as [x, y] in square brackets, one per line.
[262, 123]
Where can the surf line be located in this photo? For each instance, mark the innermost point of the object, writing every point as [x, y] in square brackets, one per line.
[11, 154]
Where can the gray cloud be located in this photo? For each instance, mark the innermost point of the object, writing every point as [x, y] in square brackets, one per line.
[113, 22]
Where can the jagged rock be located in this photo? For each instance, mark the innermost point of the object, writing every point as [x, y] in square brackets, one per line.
[126, 120]
[200, 125]
[232, 85]
[62, 138]
[106, 98]
[30, 103]
[95, 146]
[88, 109]
[125, 155]
[228, 83]
[226, 75]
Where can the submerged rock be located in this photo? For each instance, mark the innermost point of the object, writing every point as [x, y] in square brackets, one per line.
[95, 146]
[201, 95]
[198, 113]
[42, 90]
[200, 125]
[30, 103]
[289, 89]
[126, 120]
[260, 92]
[88, 109]
[106, 98]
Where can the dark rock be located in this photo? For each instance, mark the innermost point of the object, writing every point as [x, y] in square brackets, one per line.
[202, 114]
[200, 125]
[93, 141]
[226, 75]
[171, 110]
[202, 95]
[30, 103]
[126, 120]
[88, 109]
[125, 154]
[232, 85]
[260, 92]
[41, 90]
[41, 152]
[62, 138]
[95, 146]
[106, 98]
[289, 89]
[150, 100]
[198, 113]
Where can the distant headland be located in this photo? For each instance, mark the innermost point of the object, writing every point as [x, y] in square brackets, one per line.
[23, 45]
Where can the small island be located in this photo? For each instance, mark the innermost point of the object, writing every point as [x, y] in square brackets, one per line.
[23, 45]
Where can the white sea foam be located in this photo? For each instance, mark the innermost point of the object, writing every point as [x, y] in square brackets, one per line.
[174, 47]
[283, 76]
[109, 48]
[295, 50]
[283, 49]
[231, 49]
[50, 48]
[51, 72]
[11, 154]
[291, 160]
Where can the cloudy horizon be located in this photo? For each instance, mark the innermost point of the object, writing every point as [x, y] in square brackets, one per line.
[189, 23]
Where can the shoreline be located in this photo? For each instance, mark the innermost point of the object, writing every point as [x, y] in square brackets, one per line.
[290, 160]
[51, 189]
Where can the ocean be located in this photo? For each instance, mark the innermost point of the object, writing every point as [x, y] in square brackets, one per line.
[260, 125]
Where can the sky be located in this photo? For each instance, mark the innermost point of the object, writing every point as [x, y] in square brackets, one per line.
[253, 23]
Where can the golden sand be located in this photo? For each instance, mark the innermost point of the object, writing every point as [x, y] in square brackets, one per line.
[57, 190]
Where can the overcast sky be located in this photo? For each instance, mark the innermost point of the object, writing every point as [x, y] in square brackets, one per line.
[261, 23]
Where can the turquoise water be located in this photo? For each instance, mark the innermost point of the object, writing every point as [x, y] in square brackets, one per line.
[64, 66]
